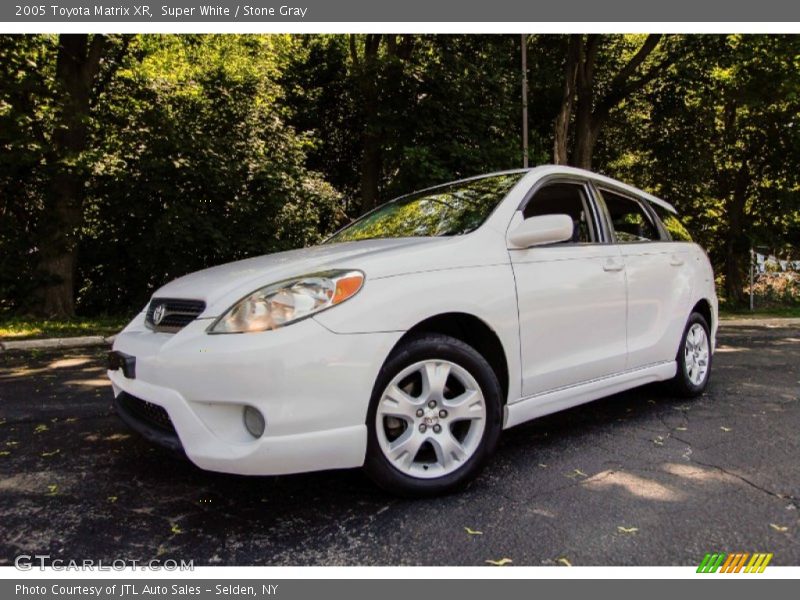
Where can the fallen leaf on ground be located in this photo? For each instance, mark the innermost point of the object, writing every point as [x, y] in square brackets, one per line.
[780, 528]
[53, 453]
[175, 529]
[627, 529]
[112, 499]
[564, 561]
[5, 453]
[41, 428]
[681, 429]
[472, 531]
[501, 562]
[726, 429]
[544, 466]
[577, 473]
[52, 490]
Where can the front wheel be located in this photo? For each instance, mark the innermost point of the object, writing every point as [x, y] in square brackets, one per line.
[693, 358]
[434, 417]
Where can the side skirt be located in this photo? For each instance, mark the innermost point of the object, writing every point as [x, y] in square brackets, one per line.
[546, 403]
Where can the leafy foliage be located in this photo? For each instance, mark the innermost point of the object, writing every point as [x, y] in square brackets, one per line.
[209, 148]
[717, 137]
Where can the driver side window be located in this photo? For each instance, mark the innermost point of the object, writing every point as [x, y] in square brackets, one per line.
[565, 199]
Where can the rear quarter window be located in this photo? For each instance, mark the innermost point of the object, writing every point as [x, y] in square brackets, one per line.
[672, 223]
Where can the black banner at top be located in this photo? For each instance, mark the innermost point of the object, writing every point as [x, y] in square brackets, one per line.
[467, 11]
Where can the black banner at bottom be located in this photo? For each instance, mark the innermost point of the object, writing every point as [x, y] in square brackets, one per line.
[379, 589]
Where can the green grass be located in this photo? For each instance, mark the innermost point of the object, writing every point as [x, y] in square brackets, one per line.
[26, 328]
[744, 313]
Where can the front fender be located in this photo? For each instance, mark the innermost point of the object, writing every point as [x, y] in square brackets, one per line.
[401, 302]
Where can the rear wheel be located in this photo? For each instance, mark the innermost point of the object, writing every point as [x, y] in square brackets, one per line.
[434, 417]
[694, 358]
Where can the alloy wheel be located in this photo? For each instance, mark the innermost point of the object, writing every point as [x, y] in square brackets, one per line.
[430, 419]
[696, 354]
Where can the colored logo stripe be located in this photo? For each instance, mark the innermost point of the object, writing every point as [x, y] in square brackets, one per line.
[758, 563]
[734, 563]
[711, 562]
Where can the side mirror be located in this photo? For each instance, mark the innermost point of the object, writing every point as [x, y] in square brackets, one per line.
[537, 231]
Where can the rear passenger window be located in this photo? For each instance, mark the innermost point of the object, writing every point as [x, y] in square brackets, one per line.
[565, 199]
[630, 220]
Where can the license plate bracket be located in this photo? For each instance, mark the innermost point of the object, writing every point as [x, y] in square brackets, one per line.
[119, 361]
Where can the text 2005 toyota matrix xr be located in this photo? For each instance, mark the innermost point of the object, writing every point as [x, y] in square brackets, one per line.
[408, 340]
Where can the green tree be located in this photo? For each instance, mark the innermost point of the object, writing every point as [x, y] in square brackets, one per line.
[717, 138]
[202, 168]
[432, 108]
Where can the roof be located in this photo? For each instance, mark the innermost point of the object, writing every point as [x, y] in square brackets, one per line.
[556, 169]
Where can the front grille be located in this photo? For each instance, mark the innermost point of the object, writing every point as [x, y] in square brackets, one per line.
[175, 314]
[151, 414]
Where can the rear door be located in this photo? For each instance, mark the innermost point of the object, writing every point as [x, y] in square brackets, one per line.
[659, 278]
[571, 296]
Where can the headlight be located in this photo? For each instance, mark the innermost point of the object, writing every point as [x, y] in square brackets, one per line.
[288, 301]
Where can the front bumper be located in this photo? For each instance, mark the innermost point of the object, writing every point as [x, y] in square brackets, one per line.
[312, 385]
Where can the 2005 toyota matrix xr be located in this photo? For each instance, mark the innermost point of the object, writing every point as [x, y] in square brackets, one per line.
[408, 340]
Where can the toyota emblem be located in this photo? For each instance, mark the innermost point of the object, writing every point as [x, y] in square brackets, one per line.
[159, 313]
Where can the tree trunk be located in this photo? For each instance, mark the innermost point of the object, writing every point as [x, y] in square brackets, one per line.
[585, 138]
[561, 137]
[369, 69]
[76, 66]
[587, 130]
[579, 96]
[737, 245]
[366, 68]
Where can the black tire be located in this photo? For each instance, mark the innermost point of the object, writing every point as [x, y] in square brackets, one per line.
[681, 384]
[420, 348]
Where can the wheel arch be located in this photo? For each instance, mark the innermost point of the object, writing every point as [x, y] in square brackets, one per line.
[703, 306]
[471, 330]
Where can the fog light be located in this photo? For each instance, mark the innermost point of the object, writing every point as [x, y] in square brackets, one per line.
[254, 421]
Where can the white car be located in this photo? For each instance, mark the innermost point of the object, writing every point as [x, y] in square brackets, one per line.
[408, 340]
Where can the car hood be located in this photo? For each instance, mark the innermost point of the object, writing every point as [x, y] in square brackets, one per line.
[220, 286]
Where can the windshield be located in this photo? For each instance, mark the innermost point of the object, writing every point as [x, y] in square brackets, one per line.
[452, 209]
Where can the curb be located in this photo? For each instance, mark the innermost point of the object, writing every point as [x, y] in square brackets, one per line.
[73, 342]
[759, 321]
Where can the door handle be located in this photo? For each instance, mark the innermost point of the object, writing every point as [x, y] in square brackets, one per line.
[613, 265]
[675, 260]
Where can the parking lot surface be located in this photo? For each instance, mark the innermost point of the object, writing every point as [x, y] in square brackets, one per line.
[640, 478]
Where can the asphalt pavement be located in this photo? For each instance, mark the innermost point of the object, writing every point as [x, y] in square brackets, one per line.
[640, 478]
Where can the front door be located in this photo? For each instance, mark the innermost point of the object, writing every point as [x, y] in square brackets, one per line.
[571, 296]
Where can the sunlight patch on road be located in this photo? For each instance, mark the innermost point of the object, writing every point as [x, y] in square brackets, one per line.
[94, 382]
[635, 485]
[697, 473]
[65, 363]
